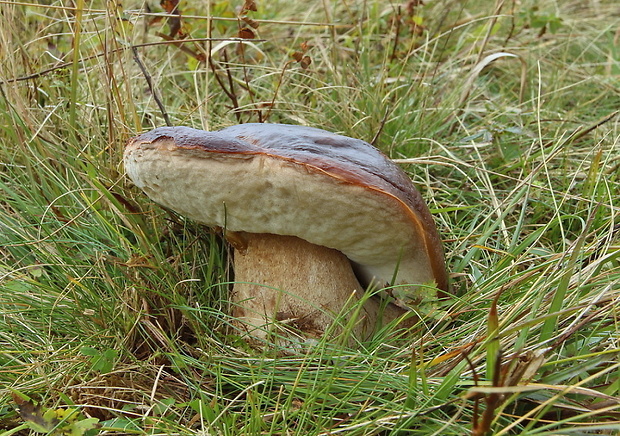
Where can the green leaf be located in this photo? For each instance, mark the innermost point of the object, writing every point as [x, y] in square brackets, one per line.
[88, 351]
[79, 428]
[121, 424]
[102, 362]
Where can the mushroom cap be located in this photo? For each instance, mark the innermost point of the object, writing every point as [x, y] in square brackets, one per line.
[328, 189]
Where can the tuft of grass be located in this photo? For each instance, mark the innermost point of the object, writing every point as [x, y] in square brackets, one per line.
[506, 117]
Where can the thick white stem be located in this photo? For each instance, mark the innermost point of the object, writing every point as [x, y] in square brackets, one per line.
[286, 285]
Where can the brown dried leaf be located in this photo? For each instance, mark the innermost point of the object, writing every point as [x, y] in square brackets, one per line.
[305, 62]
[246, 33]
[249, 5]
[238, 240]
[250, 22]
[172, 7]
[33, 414]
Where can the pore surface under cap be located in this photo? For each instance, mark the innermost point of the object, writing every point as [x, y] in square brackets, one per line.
[328, 189]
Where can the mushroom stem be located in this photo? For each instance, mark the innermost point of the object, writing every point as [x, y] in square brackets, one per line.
[286, 285]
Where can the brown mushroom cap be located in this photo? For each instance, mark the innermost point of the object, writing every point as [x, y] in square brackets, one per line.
[327, 189]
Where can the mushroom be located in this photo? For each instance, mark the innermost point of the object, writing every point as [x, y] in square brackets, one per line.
[315, 218]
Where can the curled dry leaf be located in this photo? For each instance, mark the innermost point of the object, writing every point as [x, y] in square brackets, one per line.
[250, 22]
[246, 33]
[249, 5]
[300, 56]
[304, 61]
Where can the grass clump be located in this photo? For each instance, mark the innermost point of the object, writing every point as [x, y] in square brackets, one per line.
[506, 117]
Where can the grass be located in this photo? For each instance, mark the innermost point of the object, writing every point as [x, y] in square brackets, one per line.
[114, 314]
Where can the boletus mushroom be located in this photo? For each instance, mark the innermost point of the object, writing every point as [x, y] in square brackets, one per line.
[315, 218]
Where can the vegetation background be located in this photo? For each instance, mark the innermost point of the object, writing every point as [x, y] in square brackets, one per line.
[113, 313]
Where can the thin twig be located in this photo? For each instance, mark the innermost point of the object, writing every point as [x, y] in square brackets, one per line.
[149, 82]
[381, 126]
[275, 93]
[229, 94]
[231, 88]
